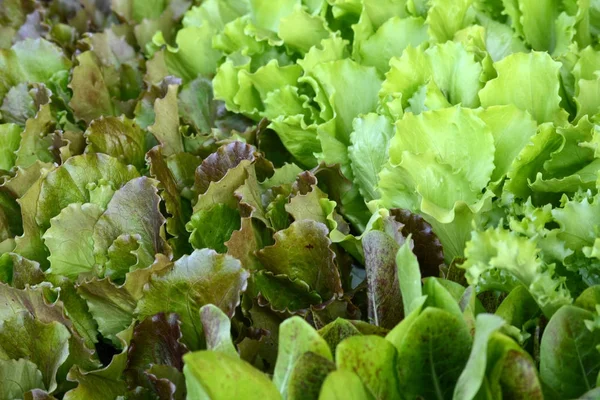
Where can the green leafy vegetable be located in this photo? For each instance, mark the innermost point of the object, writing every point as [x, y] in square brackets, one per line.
[299, 199]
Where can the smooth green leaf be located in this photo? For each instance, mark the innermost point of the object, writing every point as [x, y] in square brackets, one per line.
[409, 277]
[569, 362]
[472, 378]
[214, 375]
[371, 358]
[296, 338]
[344, 385]
[434, 351]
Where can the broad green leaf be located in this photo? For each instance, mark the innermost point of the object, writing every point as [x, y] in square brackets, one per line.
[446, 17]
[335, 78]
[134, 209]
[578, 221]
[530, 161]
[569, 362]
[344, 385]
[267, 15]
[91, 96]
[255, 87]
[472, 378]
[434, 351]
[77, 311]
[511, 370]
[388, 40]
[337, 331]
[573, 165]
[303, 252]
[10, 138]
[204, 277]
[500, 39]
[45, 344]
[19, 272]
[371, 358]
[518, 307]
[530, 82]
[296, 338]
[299, 139]
[32, 308]
[372, 134]
[123, 256]
[226, 83]
[211, 228]
[554, 35]
[111, 306]
[512, 130]
[439, 158]
[117, 137]
[218, 376]
[30, 60]
[301, 31]
[196, 105]
[589, 298]
[330, 49]
[36, 139]
[496, 250]
[155, 342]
[194, 55]
[18, 377]
[313, 205]
[310, 371]
[284, 293]
[418, 68]
[107, 382]
[70, 240]
[440, 297]
[74, 182]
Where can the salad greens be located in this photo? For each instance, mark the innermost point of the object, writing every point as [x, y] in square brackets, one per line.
[299, 199]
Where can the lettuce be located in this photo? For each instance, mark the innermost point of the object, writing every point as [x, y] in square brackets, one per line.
[370, 199]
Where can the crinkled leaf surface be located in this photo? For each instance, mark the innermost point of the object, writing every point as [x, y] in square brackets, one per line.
[201, 278]
[303, 251]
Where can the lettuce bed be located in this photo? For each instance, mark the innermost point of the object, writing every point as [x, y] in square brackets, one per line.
[299, 199]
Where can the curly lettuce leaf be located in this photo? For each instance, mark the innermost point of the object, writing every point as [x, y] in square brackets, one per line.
[530, 82]
[10, 138]
[498, 259]
[419, 68]
[30, 60]
[117, 137]
[371, 134]
[205, 277]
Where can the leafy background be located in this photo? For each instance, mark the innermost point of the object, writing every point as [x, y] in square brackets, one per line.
[370, 199]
